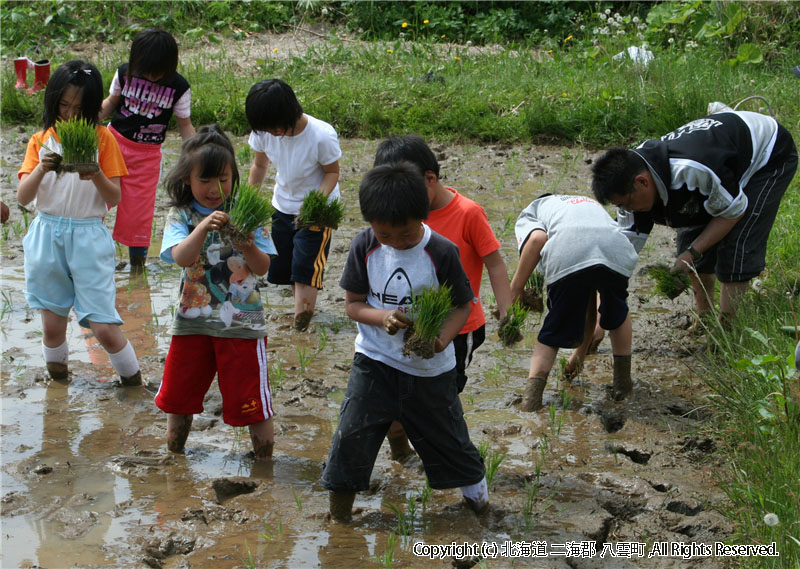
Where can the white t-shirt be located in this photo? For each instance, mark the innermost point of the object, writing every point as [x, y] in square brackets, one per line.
[299, 160]
[580, 234]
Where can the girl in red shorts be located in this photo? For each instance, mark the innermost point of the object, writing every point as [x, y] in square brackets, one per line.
[219, 326]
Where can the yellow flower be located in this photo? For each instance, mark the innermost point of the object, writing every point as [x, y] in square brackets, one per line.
[569, 37]
[275, 50]
[388, 51]
[549, 51]
[444, 36]
[457, 58]
[425, 21]
[404, 24]
[563, 94]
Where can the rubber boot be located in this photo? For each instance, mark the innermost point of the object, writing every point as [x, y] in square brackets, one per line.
[623, 385]
[341, 505]
[21, 66]
[532, 398]
[41, 75]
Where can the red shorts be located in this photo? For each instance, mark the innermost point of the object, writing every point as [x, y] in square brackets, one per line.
[243, 380]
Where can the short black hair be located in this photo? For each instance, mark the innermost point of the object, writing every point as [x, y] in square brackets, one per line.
[614, 172]
[80, 74]
[211, 148]
[393, 193]
[411, 148]
[153, 52]
[272, 105]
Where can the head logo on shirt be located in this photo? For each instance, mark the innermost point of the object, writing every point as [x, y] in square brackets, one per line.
[397, 290]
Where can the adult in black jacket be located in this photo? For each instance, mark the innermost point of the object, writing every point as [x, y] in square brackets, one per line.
[720, 180]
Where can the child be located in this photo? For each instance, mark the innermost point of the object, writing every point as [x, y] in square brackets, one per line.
[581, 252]
[144, 94]
[306, 154]
[465, 223]
[396, 257]
[212, 332]
[69, 254]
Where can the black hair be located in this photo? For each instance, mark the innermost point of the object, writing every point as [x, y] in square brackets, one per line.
[272, 105]
[211, 148]
[153, 52]
[614, 172]
[393, 193]
[411, 148]
[80, 74]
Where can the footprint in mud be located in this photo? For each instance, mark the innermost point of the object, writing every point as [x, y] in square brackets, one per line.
[226, 488]
[612, 417]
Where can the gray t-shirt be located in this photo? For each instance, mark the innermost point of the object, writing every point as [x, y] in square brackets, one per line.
[580, 234]
[389, 277]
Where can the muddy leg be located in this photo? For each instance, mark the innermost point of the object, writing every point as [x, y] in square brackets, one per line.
[305, 299]
[703, 289]
[621, 339]
[178, 427]
[262, 436]
[730, 295]
[398, 442]
[575, 362]
[341, 506]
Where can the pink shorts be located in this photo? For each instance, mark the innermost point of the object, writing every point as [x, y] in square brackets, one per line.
[135, 211]
[243, 379]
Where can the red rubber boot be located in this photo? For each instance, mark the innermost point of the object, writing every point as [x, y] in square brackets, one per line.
[41, 76]
[21, 66]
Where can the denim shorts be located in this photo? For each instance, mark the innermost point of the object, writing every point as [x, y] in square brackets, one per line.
[568, 298]
[430, 412]
[70, 262]
[302, 254]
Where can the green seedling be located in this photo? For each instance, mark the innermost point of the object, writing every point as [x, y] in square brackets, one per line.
[303, 357]
[492, 460]
[510, 331]
[298, 500]
[271, 533]
[532, 294]
[78, 145]
[248, 211]
[322, 339]
[318, 211]
[387, 559]
[277, 375]
[248, 561]
[425, 494]
[404, 522]
[429, 310]
[668, 284]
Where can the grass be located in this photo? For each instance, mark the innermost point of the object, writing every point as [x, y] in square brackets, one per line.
[78, 141]
[249, 209]
[318, 211]
[668, 285]
[492, 460]
[430, 309]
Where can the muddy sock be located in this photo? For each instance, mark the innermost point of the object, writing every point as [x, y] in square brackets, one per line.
[341, 505]
[623, 385]
[477, 496]
[56, 360]
[532, 398]
[125, 362]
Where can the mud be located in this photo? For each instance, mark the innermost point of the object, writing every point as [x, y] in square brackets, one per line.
[87, 480]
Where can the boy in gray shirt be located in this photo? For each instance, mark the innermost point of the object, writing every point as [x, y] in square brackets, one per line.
[581, 252]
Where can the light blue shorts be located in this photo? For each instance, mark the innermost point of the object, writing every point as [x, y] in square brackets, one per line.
[70, 262]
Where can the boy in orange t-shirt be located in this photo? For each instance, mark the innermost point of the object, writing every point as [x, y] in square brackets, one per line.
[465, 223]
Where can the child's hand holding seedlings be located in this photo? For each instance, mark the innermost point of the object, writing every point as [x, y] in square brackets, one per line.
[50, 162]
[257, 261]
[394, 320]
[214, 221]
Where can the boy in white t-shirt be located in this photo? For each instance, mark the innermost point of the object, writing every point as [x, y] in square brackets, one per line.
[306, 154]
[581, 252]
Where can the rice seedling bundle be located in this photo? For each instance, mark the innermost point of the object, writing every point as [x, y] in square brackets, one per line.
[532, 294]
[248, 210]
[318, 211]
[429, 310]
[78, 145]
[510, 331]
[668, 284]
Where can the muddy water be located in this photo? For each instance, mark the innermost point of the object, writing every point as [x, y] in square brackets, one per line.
[86, 480]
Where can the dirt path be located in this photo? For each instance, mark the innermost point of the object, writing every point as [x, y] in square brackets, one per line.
[86, 481]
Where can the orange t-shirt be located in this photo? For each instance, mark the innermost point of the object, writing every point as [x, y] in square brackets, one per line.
[67, 195]
[465, 223]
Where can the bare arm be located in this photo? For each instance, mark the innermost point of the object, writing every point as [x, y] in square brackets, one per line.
[29, 182]
[528, 259]
[258, 169]
[185, 128]
[107, 109]
[452, 326]
[713, 233]
[187, 251]
[358, 309]
[108, 188]
[330, 179]
[498, 277]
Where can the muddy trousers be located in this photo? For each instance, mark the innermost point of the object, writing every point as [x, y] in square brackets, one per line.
[430, 412]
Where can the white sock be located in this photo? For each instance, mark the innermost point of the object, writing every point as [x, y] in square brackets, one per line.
[58, 355]
[124, 361]
[477, 492]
